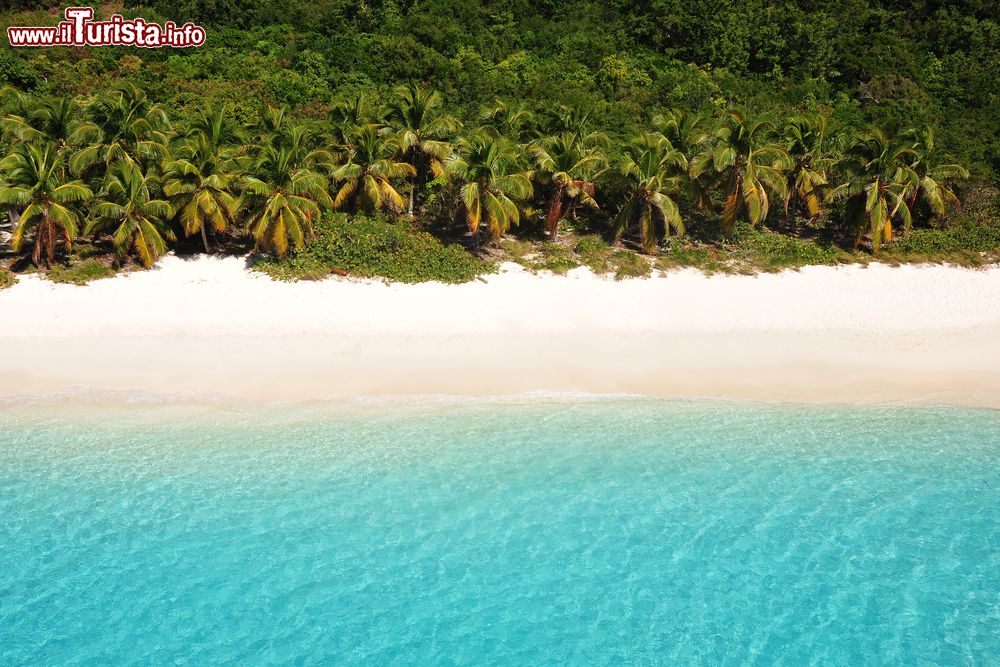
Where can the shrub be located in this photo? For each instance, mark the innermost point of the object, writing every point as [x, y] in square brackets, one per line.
[594, 253]
[964, 236]
[6, 279]
[602, 259]
[80, 273]
[376, 248]
[554, 257]
[680, 253]
[770, 251]
[628, 264]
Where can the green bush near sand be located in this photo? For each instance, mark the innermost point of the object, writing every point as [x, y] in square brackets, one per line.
[376, 248]
[80, 273]
[6, 278]
[753, 250]
[967, 242]
[602, 258]
[542, 256]
[764, 250]
[970, 238]
[591, 251]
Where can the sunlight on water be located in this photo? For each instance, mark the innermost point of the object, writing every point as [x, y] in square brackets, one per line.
[523, 531]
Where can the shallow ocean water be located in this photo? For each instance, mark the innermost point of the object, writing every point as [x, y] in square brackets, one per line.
[535, 530]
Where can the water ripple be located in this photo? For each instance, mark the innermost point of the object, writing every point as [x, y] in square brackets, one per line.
[512, 532]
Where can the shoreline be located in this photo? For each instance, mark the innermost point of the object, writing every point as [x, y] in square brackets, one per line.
[924, 335]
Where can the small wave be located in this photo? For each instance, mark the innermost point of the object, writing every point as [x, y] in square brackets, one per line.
[89, 395]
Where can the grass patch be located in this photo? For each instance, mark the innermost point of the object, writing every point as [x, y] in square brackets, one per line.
[80, 273]
[628, 264]
[516, 250]
[376, 248]
[590, 251]
[594, 253]
[554, 257]
[543, 256]
[967, 242]
[752, 250]
[603, 259]
[765, 250]
[682, 254]
[7, 279]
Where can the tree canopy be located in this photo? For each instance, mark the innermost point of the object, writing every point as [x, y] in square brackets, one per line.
[638, 120]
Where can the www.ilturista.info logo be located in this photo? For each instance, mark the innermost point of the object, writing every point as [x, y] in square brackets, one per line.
[79, 29]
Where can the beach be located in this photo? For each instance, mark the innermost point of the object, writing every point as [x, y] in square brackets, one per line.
[210, 326]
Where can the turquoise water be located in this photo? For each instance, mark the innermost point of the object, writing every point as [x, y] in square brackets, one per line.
[519, 532]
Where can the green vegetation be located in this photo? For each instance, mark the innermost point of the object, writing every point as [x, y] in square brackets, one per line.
[376, 248]
[708, 259]
[546, 256]
[752, 250]
[602, 258]
[7, 278]
[966, 243]
[590, 251]
[446, 135]
[968, 235]
[80, 272]
[769, 251]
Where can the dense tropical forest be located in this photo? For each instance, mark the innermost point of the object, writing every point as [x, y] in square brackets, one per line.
[431, 139]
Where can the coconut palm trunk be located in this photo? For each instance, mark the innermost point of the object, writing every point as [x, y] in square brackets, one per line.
[413, 181]
[732, 205]
[45, 242]
[555, 210]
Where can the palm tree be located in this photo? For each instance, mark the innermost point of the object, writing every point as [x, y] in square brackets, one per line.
[423, 131]
[810, 160]
[138, 218]
[747, 164]
[370, 166]
[880, 179]
[201, 179]
[492, 180]
[569, 163]
[217, 126]
[506, 120]
[12, 100]
[122, 126]
[53, 120]
[686, 131]
[689, 133]
[565, 118]
[50, 121]
[273, 127]
[934, 169]
[13, 105]
[44, 204]
[348, 115]
[655, 171]
[283, 193]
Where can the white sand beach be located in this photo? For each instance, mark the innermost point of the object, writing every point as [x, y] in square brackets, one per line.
[846, 334]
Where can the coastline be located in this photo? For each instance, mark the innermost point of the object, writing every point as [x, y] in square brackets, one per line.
[877, 334]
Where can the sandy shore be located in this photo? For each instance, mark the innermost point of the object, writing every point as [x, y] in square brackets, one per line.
[847, 334]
